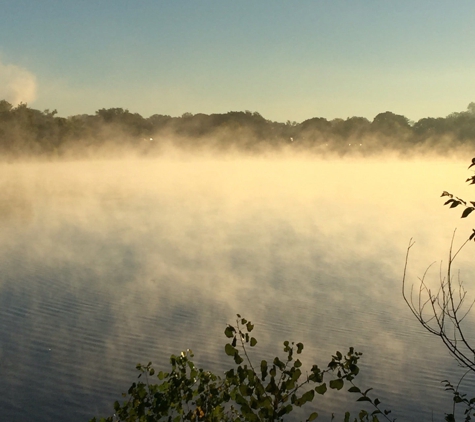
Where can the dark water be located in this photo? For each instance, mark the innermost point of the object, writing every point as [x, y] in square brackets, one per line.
[106, 264]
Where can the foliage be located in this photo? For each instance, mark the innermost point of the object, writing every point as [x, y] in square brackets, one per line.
[267, 392]
[455, 201]
[459, 399]
[25, 131]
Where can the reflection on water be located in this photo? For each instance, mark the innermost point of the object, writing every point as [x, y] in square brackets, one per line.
[106, 264]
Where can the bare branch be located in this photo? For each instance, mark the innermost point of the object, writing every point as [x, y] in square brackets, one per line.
[442, 312]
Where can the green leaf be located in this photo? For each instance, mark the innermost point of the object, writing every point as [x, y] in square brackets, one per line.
[289, 385]
[354, 389]
[299, 348]
[273, 371]
[229, 331]
[336, 384]
[321, 389]
[363, 414]
[240, 400]
[245, 390]
[263, 369]
[249, 326]
[279, 363]
[285, 410]
[308, 396]
[230, 350]
[312, 417]
[253, 341]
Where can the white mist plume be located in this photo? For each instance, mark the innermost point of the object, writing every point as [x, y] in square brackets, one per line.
[16, 84]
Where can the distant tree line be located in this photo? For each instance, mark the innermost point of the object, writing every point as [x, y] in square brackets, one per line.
[28, 132]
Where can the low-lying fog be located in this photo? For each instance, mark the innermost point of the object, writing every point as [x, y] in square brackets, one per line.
[110, 263]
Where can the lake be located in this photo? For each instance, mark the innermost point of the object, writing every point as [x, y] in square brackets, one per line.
[108, 263]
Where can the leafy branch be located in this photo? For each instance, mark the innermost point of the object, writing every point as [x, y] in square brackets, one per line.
[247, 392]
[455, 201]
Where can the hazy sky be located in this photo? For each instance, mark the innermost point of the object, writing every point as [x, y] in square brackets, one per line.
[286, 60]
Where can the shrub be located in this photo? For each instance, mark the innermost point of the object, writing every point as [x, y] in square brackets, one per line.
[267, 392]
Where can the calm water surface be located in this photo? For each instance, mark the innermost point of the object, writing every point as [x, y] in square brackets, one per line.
[106, 264]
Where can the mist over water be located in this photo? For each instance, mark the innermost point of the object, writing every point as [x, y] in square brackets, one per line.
[110, 263]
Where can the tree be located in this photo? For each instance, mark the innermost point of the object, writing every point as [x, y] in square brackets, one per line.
[267, 392]
[5, 106]
[428, 127]
[389, 123]
[443, 312]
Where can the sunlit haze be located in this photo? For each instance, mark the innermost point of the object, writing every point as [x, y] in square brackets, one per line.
[166, 165]
[288, 61]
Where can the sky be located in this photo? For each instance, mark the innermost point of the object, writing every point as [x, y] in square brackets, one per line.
[286, 60]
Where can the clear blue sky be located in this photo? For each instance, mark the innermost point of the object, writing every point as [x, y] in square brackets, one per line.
[286, 60]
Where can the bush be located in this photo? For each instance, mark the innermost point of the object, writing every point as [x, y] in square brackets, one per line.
[268, 392]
